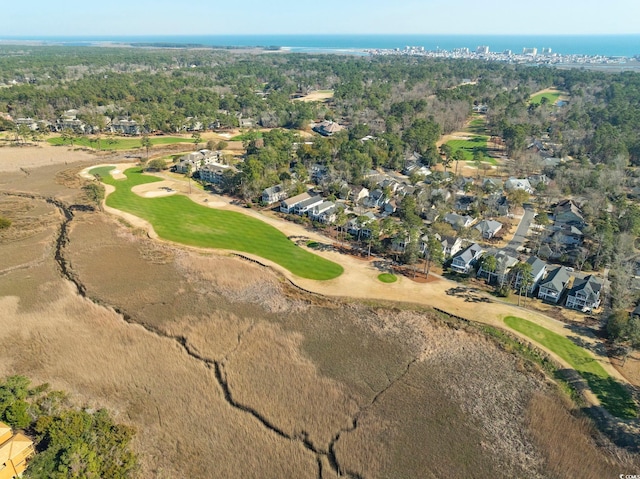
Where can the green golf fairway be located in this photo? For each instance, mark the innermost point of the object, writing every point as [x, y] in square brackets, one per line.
[613, 396]
[177, 218]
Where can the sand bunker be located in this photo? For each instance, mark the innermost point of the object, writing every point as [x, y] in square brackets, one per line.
[155, 190]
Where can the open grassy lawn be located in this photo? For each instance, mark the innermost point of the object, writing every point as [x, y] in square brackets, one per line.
[468, 147]
[119, 143]
[551, 96]
[613, 396]
[177, 218]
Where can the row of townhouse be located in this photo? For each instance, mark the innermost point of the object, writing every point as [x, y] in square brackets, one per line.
[582, 293]
[314, 206]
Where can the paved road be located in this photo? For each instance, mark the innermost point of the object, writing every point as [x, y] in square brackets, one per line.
[518, 239]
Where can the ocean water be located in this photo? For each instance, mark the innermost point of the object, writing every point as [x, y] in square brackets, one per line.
[606, 45]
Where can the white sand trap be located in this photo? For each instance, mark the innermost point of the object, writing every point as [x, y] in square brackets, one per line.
[157, 194]
[155, 190]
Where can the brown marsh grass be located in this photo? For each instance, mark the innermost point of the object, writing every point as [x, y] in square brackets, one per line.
[428, 400]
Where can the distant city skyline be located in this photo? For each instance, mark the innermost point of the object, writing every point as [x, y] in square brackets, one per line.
[203, 17]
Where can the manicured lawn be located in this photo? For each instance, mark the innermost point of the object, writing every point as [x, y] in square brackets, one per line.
[613, 396]
[246, 136]
[119, 143]
[468, 147]
[552, 97]
[177, 218]
[387, 278]
[477, 126]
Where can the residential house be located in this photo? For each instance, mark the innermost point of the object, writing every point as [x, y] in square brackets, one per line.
[535, 180]
[584, 294]
[389, 183]
[518, 184]
[488, 228]
[317, 212]
[497, 205]
[319, 173]
[358, 193]
[400, 243]
[325, 216]
[412, 160]
[463, 182]
[567, 212]
[192, 161]
[430, 215]
[554, 284]
[567, 236]
[273, 194]
[15, 451]
[390, 207]
[411, 168]
[303, 207]
[465, 203]
[28, 122]
[538, 270]
[246, 122]
[504, 263]
[125, 127]
[440, 193]
[491, 185]
[358, 226]
[288, 204]
[376, 199]
[214, 173]
[450, 245]
[458, 221]
[327, 128]
[464, 260]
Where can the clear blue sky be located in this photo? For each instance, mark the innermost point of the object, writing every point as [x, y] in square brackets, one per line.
[216, 17]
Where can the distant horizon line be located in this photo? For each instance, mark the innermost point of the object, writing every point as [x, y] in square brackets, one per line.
[84, 35]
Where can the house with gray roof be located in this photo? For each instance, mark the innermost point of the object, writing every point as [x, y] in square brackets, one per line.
[358, 226]
[214, 173]
[458, 221]
[303, 207]
[585, 294]
[488, 228]
[504, 263]
[274, 194]
[569, 213]
[518, 184]
[538, 270]
[554, 284]
[464, 261]
[317, 213]
[287, 205]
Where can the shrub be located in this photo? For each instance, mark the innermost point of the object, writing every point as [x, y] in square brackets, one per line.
[4, 223]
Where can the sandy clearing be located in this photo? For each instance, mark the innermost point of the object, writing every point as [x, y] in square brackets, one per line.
[27, 157]
[321, 96]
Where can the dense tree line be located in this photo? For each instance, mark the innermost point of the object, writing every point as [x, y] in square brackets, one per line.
[70, 441]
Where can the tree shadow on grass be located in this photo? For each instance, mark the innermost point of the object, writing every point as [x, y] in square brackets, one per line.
[613, 396]
[598, 348]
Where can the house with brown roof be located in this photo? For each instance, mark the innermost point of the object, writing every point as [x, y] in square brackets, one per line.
[328, 128]
[15, 451]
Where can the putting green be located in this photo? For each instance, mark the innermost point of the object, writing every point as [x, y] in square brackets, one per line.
[177, 218]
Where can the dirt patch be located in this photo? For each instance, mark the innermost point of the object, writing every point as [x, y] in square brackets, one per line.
[321, 96]
[25, 158]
